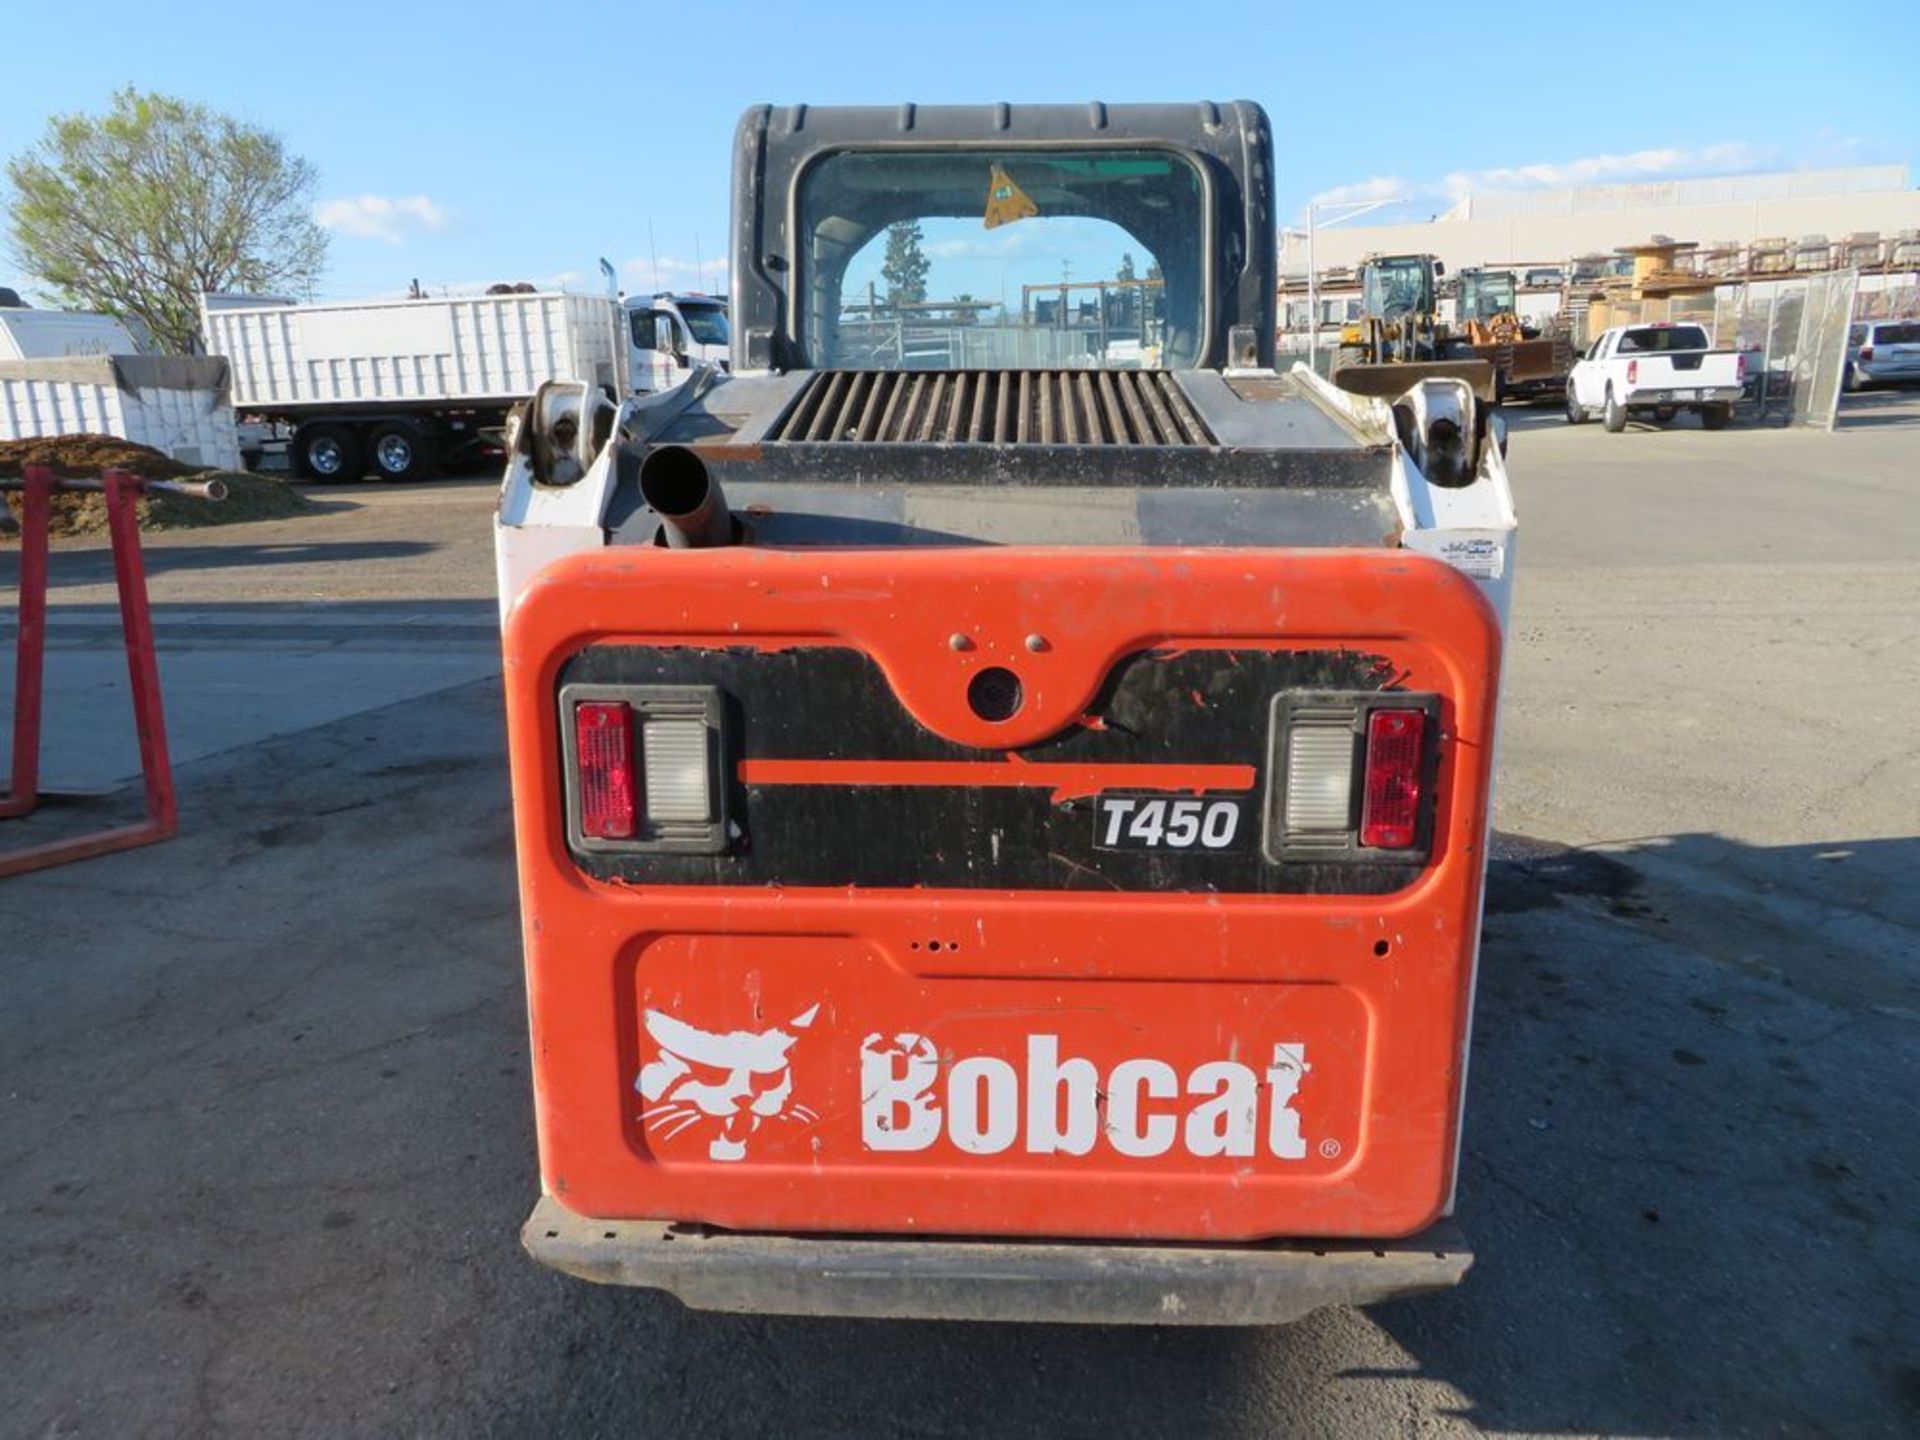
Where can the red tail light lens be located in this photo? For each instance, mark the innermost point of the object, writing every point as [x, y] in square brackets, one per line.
[1866, 352]
[603, 742]
[1740, 367]
[1633, 372]
[1396, 745]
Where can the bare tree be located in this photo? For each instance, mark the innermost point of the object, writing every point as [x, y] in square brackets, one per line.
[139, 211]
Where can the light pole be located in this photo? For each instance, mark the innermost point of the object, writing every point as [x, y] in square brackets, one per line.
[1347, 209]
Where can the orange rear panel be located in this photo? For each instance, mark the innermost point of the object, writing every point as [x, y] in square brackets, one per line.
[1072, 1056]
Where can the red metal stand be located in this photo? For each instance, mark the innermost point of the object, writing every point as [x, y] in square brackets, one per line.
[122, 491]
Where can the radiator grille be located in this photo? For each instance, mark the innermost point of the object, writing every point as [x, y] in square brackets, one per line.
[993, 407]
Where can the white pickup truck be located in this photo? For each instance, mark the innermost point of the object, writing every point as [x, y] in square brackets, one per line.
[1657, 369]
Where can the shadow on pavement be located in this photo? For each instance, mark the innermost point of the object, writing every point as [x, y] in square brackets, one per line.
[1867, 408]
[94, 565]
[269, 1140]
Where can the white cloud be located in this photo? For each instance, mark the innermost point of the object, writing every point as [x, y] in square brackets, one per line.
[1362, 192]
[1726, 158]
[380, 217]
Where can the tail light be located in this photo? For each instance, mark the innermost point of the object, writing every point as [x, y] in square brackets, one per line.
[603, 741]
[1740, 367]
[1633, 372]
[1396, 751]
[1866, 352]
[643, 768]
[1350, 777]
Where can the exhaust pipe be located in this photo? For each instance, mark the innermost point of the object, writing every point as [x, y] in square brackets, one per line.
[675, 482]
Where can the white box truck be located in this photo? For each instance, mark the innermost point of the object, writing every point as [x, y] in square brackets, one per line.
[396, 387]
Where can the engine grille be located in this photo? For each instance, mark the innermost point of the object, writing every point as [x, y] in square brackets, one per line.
[992, 407]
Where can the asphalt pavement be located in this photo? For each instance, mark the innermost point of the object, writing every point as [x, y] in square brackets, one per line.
[266, 1137]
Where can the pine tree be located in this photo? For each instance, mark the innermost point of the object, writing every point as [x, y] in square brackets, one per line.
[905, 268]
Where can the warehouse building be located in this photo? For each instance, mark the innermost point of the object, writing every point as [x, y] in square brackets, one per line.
[1550, 227]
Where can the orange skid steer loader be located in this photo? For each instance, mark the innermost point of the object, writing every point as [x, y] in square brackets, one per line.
[1003, 840]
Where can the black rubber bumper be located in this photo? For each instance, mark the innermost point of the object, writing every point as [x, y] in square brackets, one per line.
[1089, 1283]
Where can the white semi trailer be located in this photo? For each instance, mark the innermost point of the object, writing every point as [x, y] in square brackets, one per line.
[397, 387]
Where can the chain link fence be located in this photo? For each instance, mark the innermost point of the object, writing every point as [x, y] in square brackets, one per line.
[1794, 332]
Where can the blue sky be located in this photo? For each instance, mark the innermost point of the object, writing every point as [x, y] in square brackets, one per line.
[464, 143]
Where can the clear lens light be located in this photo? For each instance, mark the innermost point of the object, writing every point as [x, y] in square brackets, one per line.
[1319, 779]
[674, 770]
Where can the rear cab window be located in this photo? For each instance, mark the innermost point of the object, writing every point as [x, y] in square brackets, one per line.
[1663, 339]
[1907, 334]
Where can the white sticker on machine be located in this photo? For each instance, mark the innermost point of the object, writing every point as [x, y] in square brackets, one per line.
[1477, 556]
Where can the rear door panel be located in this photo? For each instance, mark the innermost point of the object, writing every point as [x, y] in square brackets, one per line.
[951, 1012]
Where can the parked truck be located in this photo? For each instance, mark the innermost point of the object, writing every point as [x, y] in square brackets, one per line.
[673, 333]
[397, 387]
[1004, 843]
[1656, 370]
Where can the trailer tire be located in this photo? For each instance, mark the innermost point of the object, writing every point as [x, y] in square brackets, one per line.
[327, 452]
[250, 459]
[1614, 417]
[1715, 417]
[401, 450]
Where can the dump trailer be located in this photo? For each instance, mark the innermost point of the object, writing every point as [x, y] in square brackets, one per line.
[396, 387]
[73, 372]
[1004, 843]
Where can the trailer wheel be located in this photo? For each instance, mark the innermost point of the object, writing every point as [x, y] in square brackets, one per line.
[400, 450]
[1614, 417]
[326, 451]
[1715, 417]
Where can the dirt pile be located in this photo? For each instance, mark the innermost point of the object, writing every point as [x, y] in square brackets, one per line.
[87, 455]
[249, 497]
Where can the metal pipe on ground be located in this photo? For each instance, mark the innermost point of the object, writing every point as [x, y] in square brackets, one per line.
[197, 489]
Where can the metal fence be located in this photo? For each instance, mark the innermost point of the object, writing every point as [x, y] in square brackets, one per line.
[1795, 330]
[898, 345]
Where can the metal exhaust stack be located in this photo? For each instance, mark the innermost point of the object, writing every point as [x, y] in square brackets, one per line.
[675, 482]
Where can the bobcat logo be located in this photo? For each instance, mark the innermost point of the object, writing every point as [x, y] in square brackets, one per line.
[739, 1079]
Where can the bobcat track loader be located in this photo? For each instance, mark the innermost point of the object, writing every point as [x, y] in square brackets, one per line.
[1006, 842]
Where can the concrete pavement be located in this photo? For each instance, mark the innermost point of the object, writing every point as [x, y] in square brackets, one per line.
[265, 1134]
